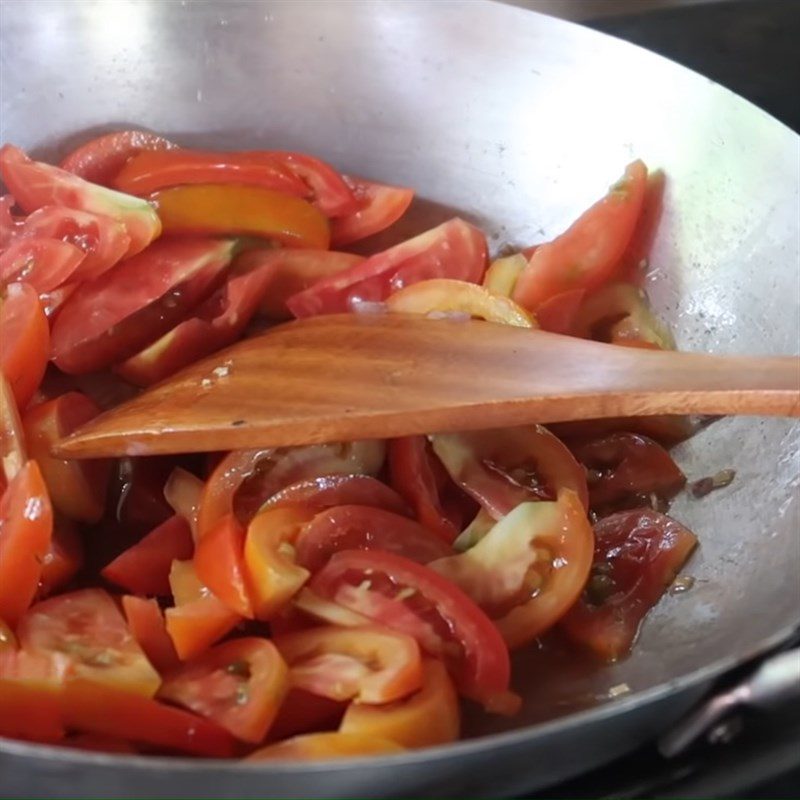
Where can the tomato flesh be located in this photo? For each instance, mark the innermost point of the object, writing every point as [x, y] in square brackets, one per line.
[42, 263]
[146, 623]
[325, 746]
[379, 207]
[63, 560]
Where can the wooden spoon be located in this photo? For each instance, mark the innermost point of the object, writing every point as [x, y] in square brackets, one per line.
[345, 377]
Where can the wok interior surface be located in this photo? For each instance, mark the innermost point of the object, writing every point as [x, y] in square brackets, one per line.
[516, 122]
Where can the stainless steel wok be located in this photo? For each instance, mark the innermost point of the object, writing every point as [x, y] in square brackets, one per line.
[518, 121]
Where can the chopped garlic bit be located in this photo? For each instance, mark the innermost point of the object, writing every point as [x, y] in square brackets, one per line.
[619, 689]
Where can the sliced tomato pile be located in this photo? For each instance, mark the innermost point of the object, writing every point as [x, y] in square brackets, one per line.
[310, 602]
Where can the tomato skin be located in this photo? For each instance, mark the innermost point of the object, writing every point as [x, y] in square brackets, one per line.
[529, 569]
[379, 207]
[586, 255]
[219, 562]
[411, 471]
[35, 184]
[100, 160]
[63, 560]
[303, 712]
[216, 323]
[26, 341]
[106, 711]
[239, 685]
[355, 527]
[327, 491]
[628, 467]
[8, 225]
[368, 664]
[483, 671]
[638, 553]
[504, 467]
[42, 263]
[325, 746]
[557, 314]
[426, 718]
[146, 623]
[331, 193]
[118, 313]
[144, 568]
[102, 239]
[214, 209]
[454, 249]
[26, 528]
[13, 452]
[77, 488]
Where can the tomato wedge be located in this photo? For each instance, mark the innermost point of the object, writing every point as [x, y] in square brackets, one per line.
[42, 263]
[324, 747]
[628, 468]
[445, 296]
[100, 160]
[379, 207]
[146, 623]
[413, 599]
[529, 569]
[317, 494]
[293, 271]
[87, 627]
[77, 488]
[370, 664]
[330, 192]
[501, 277]
[426, 718]
[26, 341]
[144, 568]
[135, 302]
[35, 185]
[12, 438]
[454, 249]
[182, 491]
[637, 555]
[504, 467]
[63, 560]
[152, 170]
[8, 225]
[239, 685]
[355, 527]
[107, 711]
[213, 209]
[302, 712]
[411, 467]
[216, 323]
[26, 528]
[557, 314]
[586, 255]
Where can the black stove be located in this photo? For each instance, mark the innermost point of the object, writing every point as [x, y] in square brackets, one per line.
[749, 46]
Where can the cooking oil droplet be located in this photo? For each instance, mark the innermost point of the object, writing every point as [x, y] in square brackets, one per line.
[682, 584]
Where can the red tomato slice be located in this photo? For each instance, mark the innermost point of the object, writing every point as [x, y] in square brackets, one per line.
[215, 324]
[504, 467]
[628, 468]
[557, 313]
[102, 239]
[370, 664]
[8, 642]
[146, 623]
[63, 559]
[239, 685]
[30, 696]
[219, 563]
[331, 194]
[160, 169]
[637, 555]
[43, 263]
[411, 467]
[379, 207]
[529, 569]
[35, 185]
[589, 251]
[408, 597]
[183, 491]
[224, 209]
[454, 249]
[12, 438]
[135, 302]
[77, 488]
[324, 747]
[426, 718]
[633, 263]
[87, 627]
[293, 272]
[107, 711]
[26, 341]
[8, 225]
[100, 160]
[26, 528]
[245, 479]
[317, 494]
[144, 568]
[98, 744]
[355, 527]
[302, 712]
